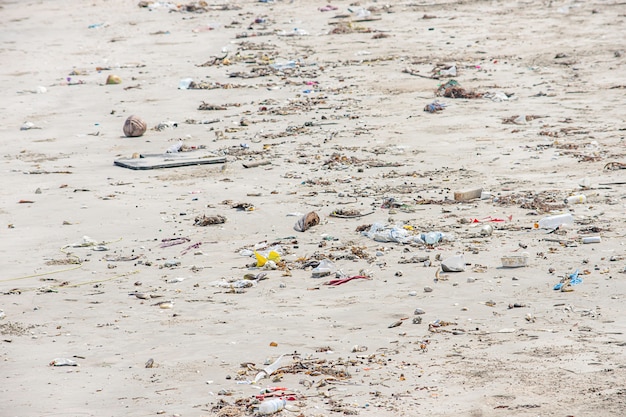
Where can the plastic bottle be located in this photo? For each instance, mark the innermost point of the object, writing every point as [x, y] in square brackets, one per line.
[279, 66]
[185, 83]
[63, 362]
[206, 28]
[486, 230]
[271, 406]
[455, 263]
[324, 268]
[576, 199]
[175, 148]
[450, 72]
[269, 370]
[381, 233]
[360, 13]
[432, 237]
[552, 222]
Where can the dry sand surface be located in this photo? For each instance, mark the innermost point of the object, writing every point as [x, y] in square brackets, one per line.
[327, 110]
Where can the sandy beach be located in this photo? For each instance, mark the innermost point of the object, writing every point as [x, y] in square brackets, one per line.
[425, 136]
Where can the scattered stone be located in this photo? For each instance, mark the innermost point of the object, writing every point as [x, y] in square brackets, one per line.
[209, 220]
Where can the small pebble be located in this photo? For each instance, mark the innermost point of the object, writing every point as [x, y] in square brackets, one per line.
[419, 311]
[413, 293]
[471, 279]
[398, 273]
[417, 320]
[428, 289]
[282, 285]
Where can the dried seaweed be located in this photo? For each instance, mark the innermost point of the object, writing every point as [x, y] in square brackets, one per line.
[452, 89]
[542, 202]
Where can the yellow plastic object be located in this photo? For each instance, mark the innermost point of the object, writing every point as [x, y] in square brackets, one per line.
[262, 260]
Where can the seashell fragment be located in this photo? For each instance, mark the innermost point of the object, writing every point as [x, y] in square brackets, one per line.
[165, 304]
[134, 127]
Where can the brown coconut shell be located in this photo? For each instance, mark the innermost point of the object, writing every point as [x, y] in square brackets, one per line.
[114, 79]
[134, 127]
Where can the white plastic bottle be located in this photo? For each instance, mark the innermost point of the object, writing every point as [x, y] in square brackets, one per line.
[576, 199]
[432, 237]
[271, 406]
[455, 263]
[325, 268]
[552, 222]
[269, 370]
